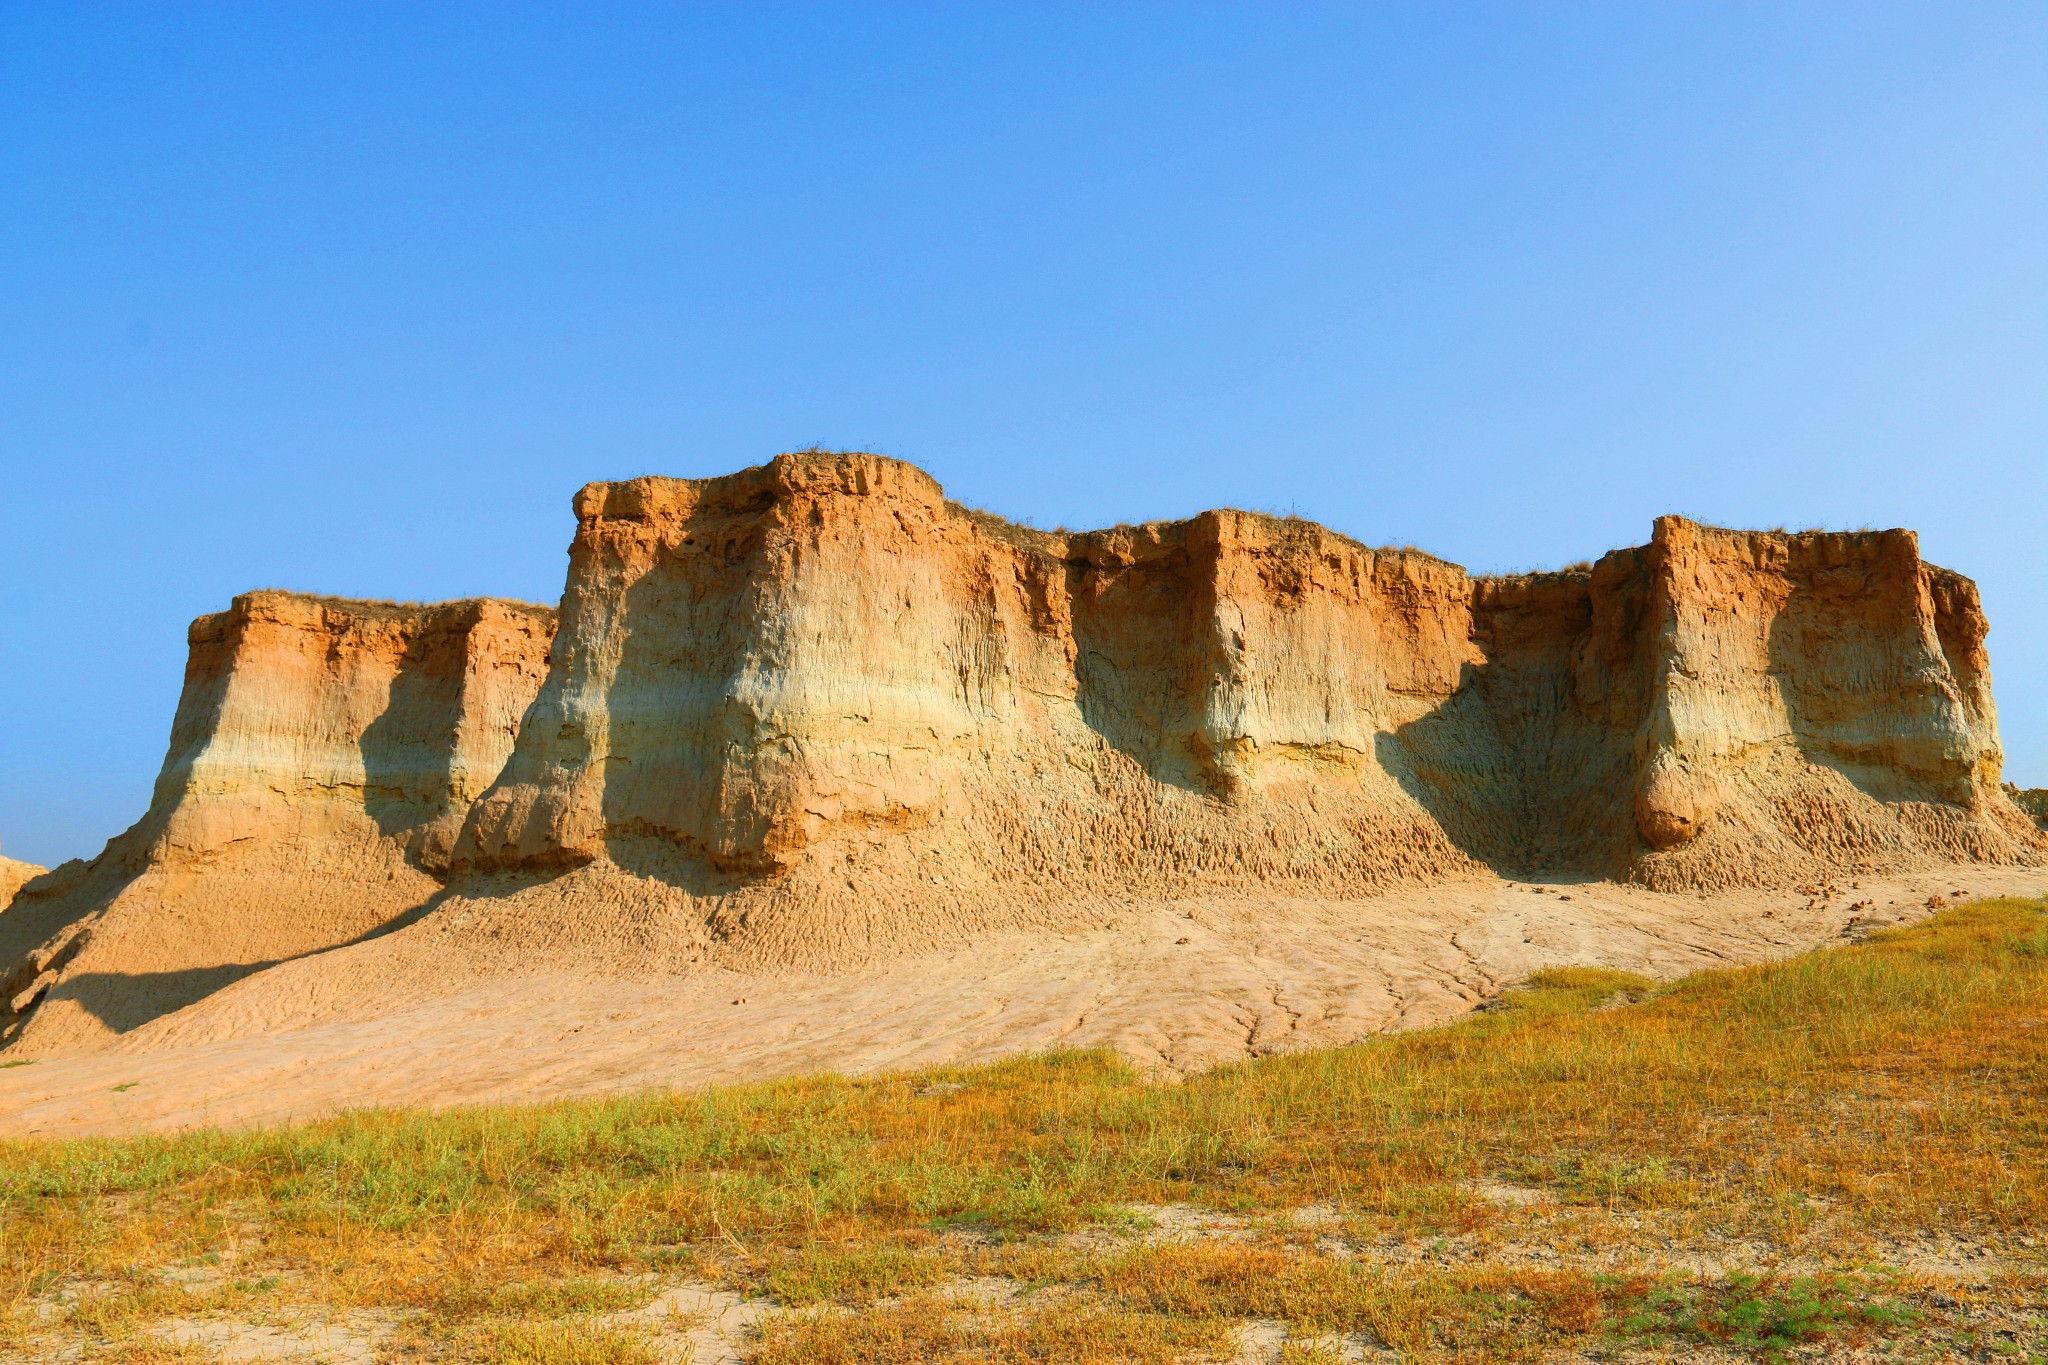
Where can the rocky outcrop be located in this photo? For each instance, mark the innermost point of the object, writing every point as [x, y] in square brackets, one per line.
[1822, 701]
[321, 760]
[813, 712]
[822, 659]
[308, 722]
[823, 654]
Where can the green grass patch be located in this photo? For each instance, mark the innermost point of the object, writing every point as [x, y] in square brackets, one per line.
[921, 1331]
[558, 1343]
[856, 1276]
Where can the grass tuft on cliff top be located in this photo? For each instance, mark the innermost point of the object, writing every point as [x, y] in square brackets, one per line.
[1756, 1161]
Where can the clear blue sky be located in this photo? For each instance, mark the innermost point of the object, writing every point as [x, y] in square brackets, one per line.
[352, 298]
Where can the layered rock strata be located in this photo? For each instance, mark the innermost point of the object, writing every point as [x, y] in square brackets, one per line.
[823, 662]
[812, 713]
[322, 757]
[310, 721]
[1820, 699]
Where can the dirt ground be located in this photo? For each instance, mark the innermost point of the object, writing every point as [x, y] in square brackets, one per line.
[1178, 987]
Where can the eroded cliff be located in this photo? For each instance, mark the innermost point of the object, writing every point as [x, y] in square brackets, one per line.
[1823, 702]
[813, 713]
[821, 661]
[322, 756]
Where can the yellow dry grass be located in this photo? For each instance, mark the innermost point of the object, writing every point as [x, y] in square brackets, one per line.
[1848, 1149]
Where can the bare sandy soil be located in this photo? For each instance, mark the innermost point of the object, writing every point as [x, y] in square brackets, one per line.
[1179, 988]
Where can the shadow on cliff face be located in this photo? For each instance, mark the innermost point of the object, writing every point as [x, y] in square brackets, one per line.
[1142, 665]
[45, 906]
[629, 758]
[1516, 773]
[676, 797]
[1530, 764]
[658, 857]
[1465, 786]
[408, 751]
[1141, 713]
[1895, 736]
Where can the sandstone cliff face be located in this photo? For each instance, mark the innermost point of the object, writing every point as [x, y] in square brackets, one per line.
[812, 713]
[821, 661]
[308, 721]
[321, 759]
[821, 664]
[1822, 699]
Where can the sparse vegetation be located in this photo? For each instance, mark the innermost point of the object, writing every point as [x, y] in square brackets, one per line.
[554, 1343]
[1849, 1149]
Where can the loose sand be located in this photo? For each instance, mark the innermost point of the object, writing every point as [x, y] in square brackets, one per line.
[1179, 987]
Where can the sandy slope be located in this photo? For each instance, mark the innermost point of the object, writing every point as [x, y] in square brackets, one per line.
[422, 1019]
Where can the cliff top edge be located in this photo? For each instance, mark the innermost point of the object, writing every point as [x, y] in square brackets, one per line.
[823, 473]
